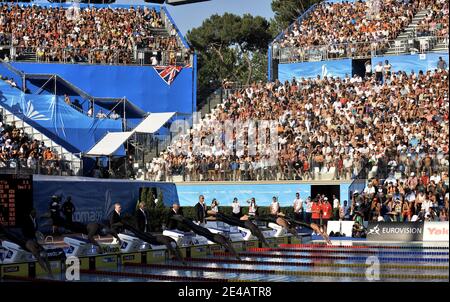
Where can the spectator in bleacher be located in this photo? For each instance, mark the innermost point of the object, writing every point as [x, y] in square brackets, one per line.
[397, 126]
[114, 115]
[441, 64]
[347, 29]
[67, 100]
[77, 104]
[101, 115]
[97, 35]
[368, 69]
[379, 72]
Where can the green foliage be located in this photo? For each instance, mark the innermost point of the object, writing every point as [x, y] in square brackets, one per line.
[287, 11]
[230, 47]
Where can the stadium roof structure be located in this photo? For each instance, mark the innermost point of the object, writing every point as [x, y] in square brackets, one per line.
[112, 141]
[60, 86]
[109, 144]
[121, 106]
[153, 122]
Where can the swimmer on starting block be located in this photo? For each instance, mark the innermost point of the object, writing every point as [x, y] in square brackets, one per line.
[30, 245]
[311, 226]
[129, 224]
[217, 238]
[91, 229]
[243, 222]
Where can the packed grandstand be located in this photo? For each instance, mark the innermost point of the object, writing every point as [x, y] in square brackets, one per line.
[104, 35]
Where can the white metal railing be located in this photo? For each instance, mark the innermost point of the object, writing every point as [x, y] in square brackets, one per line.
[355, 50]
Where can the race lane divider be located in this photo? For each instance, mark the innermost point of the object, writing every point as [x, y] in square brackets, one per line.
[356, 258]
[347, 265]
[29, 279]
[300, 245]
[279, 272]
[155, 277]
[293, 250]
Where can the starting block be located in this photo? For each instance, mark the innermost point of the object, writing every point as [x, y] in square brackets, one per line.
[79, 247]
[200, 240]
[279, 230]
[132, 244]
[242, 234]
[13, 253]
[181, 238]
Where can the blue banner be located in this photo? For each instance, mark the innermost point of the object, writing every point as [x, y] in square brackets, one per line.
[142, 85]
[188, 193]
[335, 68]
[410, 63]
[63, 124]
[263, 193]
[94, 198]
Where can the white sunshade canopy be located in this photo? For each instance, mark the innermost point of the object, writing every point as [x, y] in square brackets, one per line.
[109, 143]
[153, 122]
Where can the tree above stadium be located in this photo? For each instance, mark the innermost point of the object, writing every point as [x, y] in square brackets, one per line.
[287, 11]
[230, 47]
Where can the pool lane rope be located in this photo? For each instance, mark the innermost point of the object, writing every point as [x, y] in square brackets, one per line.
[155, 277]
[355, 258]
[294, 250]
[280, 272]
[324, 246]
[312, 264]
[29, 279]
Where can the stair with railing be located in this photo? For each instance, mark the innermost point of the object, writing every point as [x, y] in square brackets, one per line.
[64, 155]
[404, 40]
[27, 56]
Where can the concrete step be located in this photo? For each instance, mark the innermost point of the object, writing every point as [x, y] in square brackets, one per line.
[33, 133]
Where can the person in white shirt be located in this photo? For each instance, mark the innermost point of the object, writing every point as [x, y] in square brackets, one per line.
[252, 208]
[369, 190]
[435, 177]
[215, 205]
[274, 206]
[308, 210]
[379, 72]
[298, 207]
[336, 206]
[426, 205]
[236, 208]
[368, 66]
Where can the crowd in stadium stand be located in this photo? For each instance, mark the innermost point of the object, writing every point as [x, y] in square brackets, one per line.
[397, 126]
[94, 35]
[19, 151]
[436, 21]
[350, 29]
[399, 199]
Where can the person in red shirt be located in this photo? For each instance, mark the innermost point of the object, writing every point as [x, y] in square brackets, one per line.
[425, 179]
[327, 211]
[315, 212]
